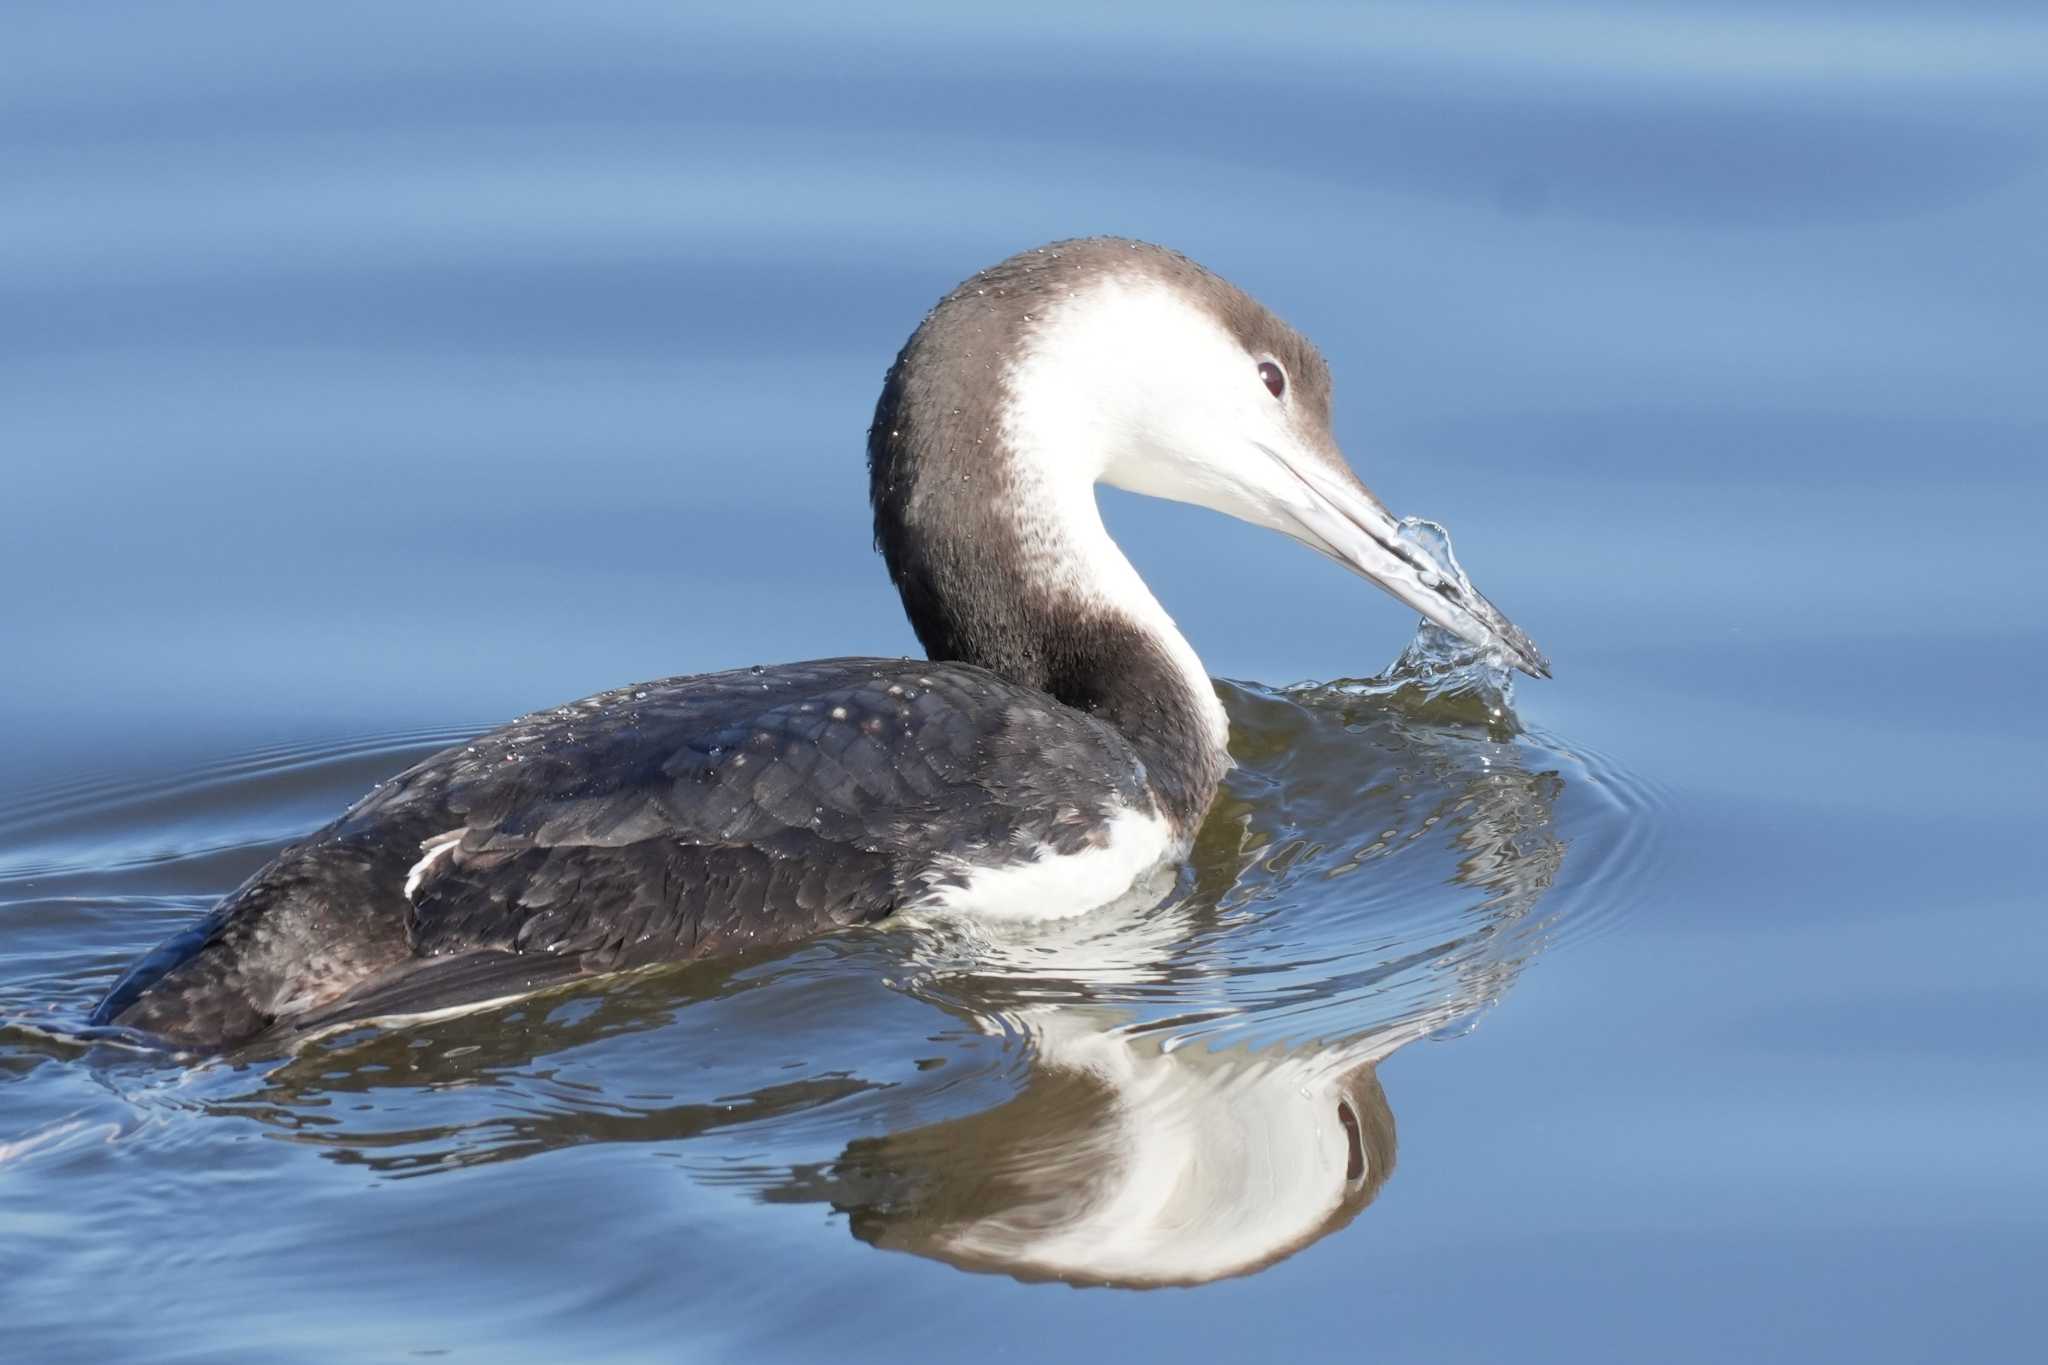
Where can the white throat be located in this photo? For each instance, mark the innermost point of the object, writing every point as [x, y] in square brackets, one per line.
[1063, 443]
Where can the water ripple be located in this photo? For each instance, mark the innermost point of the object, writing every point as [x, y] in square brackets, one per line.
[1381, 865]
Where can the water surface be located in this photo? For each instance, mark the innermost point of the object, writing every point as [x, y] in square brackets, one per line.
[373, 378]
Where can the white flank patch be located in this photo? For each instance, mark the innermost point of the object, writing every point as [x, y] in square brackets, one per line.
[1040, 884]
[437, 848]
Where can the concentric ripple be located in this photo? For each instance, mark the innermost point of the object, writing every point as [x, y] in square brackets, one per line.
[1088, 1100]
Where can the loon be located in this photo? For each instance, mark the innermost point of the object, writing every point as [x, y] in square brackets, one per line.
[1057, 748]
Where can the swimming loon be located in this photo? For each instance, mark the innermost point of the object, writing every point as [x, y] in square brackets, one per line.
[1059, 745]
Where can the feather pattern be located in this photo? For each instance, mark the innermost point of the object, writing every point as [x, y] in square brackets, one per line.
[675, 820]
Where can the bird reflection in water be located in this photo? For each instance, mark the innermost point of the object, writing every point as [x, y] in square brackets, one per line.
[1171, 1093]
[1191, 1131]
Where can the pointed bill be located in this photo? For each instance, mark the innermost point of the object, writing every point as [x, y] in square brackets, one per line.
[1341, 518]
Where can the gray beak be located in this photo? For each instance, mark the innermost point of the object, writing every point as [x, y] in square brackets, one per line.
[1342, 519]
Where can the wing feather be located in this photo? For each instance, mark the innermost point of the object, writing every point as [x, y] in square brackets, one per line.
[702, 814]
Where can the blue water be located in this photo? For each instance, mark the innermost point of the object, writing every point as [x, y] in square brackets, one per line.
[373, 374]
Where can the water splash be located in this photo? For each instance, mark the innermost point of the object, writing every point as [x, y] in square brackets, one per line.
[1439, 677]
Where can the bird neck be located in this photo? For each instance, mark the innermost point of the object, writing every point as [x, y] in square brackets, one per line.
[1002, 561]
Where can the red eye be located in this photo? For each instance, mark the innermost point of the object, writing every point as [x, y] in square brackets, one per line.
[1274, 376]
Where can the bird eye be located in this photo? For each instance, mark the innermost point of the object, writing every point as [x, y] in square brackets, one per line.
[1274, 377]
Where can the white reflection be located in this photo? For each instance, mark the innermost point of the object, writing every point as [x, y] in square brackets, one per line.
[1203, 1096]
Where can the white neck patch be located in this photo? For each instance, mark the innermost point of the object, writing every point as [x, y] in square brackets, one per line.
[1067, 425]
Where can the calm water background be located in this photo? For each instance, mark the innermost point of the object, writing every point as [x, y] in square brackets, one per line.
[375, 373]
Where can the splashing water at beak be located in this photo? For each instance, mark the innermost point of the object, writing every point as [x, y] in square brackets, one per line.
[1441, 677]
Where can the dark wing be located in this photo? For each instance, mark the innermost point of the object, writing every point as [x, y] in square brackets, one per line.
[673, 820]
[701, 815]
